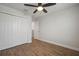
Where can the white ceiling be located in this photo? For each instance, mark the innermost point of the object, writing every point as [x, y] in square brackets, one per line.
[29, 10]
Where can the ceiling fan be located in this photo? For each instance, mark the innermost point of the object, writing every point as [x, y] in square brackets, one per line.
[41, 6]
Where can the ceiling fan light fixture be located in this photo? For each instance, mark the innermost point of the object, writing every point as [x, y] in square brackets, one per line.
[40, 8]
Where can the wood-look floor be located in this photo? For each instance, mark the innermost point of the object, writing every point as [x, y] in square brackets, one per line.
[38, 48]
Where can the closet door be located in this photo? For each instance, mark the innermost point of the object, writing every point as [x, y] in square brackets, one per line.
[13, 30]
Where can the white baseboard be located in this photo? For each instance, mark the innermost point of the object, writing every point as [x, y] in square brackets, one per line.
[15, 45]
[66, 46]
[36, 38]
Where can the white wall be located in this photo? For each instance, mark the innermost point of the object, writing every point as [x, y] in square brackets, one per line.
[61, 27]
[15, 28]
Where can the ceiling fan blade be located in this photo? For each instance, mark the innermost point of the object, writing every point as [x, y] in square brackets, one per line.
[35, 11]
[49, 4]
[39, 4]
[44, 10]
[30, 5]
